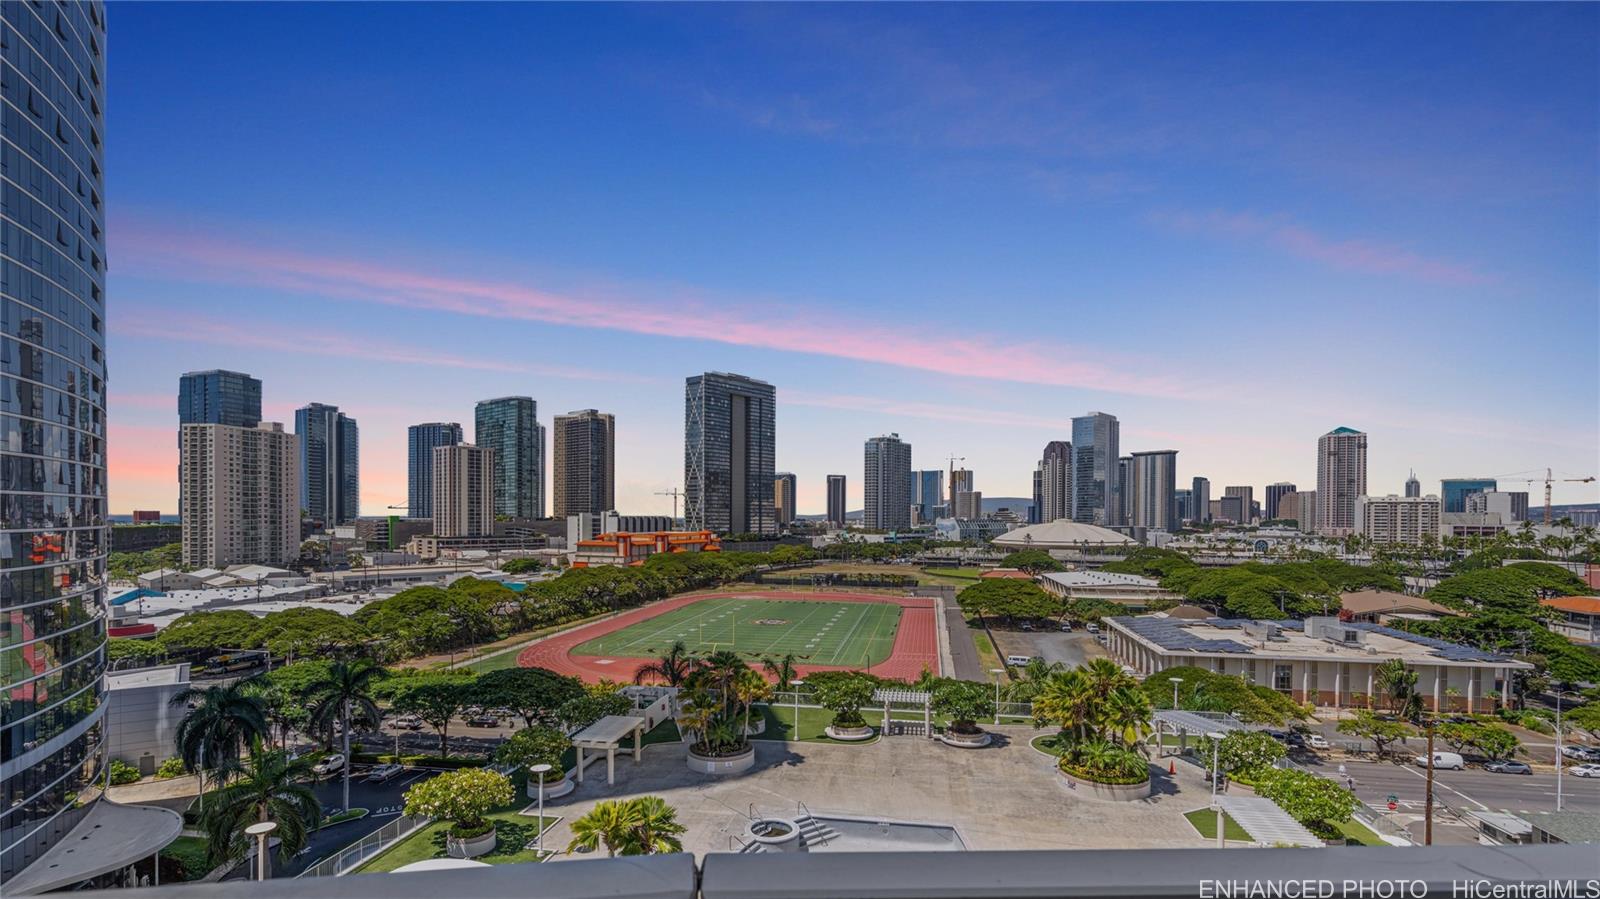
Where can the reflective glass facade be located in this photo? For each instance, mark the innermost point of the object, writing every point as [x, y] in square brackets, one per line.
[219, 397]
[1095, 495]
[330, 464]
[729, 436]
[1453, 492]
[420, 442]
[53, 535]
[510, 426]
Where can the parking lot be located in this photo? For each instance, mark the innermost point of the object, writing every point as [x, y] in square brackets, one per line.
[1068, 648]
[383, 801]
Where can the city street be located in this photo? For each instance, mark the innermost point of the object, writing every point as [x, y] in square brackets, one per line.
[383, 801]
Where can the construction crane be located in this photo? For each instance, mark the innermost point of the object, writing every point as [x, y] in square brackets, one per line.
[1548, 479]
[674, 493]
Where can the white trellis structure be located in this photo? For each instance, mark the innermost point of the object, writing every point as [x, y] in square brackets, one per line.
[905, 701]
[1184, 724]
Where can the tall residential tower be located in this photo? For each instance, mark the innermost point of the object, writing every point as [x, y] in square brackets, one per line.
[1341, 478]
[510, 427]
[1055, 481]
[729, 448]
[836, 500]
[420, 443]
[1095, 498]
[330, 464]
[886, 480]
[583, 463]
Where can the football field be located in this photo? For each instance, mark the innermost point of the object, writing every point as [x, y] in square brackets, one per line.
[844, 634]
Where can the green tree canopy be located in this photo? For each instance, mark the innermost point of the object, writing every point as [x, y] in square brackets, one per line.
[1207, 691]
[1007, 598]
[1033, 561]
[533, 693]
[210, 631]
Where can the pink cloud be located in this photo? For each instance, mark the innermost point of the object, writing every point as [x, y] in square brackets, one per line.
[820, 332]
[1355, 254]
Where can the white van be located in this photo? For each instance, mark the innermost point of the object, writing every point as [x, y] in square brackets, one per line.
[1019, 661]
[1451, 760]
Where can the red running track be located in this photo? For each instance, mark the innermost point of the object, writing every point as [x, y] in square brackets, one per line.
[916, 644]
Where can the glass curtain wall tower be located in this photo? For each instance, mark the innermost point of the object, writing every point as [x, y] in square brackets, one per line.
[52, 312]
[509, 425]
[729, 448]
[330, 464]
[421, 440]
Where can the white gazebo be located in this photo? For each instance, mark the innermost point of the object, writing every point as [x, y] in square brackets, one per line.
[890, 698]
[606, 734]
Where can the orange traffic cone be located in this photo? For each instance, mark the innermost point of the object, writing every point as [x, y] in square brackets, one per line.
[1172, 767]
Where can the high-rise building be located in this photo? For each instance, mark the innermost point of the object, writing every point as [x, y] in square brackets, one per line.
[1453, 492]
[1200, 500]
[1275, 494]
[783, 487]
[1154, 476]
[241, 495]
[330, 464]
[960, 482]
[1288, 506]
[1247, 499]
[1036, 511]
[969, 505]
[1230, 509]
[927, 493]
[1125, 489]
[420, 442]
[1341, 477]
[886, 478]
[1095, 498]
[836, 507]
[509, 425]
[729, 447]
[1509, 506]
[1306, 514]
[1390, 520]
[1413, 486]
[1182, 500]
[219, 397]
[54, 384]
[1055, 475]
[463, 490]
[583, 463]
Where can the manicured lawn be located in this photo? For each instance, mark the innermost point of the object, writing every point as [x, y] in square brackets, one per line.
[514, 831]
[1051, 743]
[665, 732]
[780, 724]
[507, 658]
[1361, 833]
[988, 656]
[1205, 821]
[191, 852]
[346, 815]
[818, 631]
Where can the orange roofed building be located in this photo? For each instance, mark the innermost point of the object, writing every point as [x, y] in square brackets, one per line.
[623, 548]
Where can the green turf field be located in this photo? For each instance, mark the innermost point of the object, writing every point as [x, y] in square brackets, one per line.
[852, 634]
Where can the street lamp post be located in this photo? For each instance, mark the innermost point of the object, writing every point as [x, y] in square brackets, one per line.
[1216, 754]
[997, 672]
[540, 769]
[261, 830]
[797, 683]
[1175, 682]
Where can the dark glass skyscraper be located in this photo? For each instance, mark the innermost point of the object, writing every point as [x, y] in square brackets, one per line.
[1095, 495]
[52, 312]
[330, 464]
[510, 426]
[219, 397]
[729, 447]
[420, 441]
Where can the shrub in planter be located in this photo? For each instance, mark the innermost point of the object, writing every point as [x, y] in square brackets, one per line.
[1104, 762]
[1242, 753]
[123, 773]
[964, 702]
[1316, 802]
[170, 768]
[844, 694]
[535, 746]
[464, 797]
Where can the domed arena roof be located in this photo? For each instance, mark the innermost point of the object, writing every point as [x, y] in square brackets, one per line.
[1061, 534]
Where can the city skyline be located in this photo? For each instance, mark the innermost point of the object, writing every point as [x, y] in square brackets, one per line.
[1432, 210]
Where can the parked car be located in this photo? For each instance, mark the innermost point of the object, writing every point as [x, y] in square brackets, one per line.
[384, 773]
[1508, 766]
[1318, 741]
[1093, 627]
[1581, 753]
[1018, 661]
[1450, 760]
[1066, 626]
[408, 722]
[1584, 771]
[332, 764]
[483, 721]
[1027, 625]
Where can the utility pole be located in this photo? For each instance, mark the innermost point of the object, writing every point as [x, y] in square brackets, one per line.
[1427, 813]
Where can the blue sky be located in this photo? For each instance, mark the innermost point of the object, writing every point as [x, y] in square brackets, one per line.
[1235, 227]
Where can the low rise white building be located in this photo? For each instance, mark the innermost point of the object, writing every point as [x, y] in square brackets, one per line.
[141, 721]
[1397, 520]
[1131, 590]
[1324, 661]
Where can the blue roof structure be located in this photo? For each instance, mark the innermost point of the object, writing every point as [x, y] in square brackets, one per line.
[135, 595]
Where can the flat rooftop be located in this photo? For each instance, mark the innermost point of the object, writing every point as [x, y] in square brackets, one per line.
[1229, 636]
[1101, 579]
[164, 676]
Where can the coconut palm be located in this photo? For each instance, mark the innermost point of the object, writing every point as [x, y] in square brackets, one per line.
[221, 722]
[1399, 683]
[1125, 716]
[1065, 700]
[782, 669]
[672, 668]
[750, 688]
[657, 829]
[610, 823]
[344, 696]
[270, 788]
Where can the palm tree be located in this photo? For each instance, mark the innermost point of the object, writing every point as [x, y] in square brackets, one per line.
[1400, 685]
[1126, 715]
[658, 828]
[222, 721]
[1065, 699]
[270, 788]
[345, 695]
[672, 669]
[782, 669]
[750, 688]
[609, 823]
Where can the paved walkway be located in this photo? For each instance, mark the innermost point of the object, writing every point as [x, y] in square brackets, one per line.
[1004, 797]
[963, 652]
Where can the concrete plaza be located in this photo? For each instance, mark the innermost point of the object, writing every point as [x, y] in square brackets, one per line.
[1007, 796]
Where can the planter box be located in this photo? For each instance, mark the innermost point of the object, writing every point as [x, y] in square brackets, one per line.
[850, 734]
[966, 741]
[470, 848]
[776, 834]
[758, 726]
[722, 764]
[1107, 792]
[553, 789]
